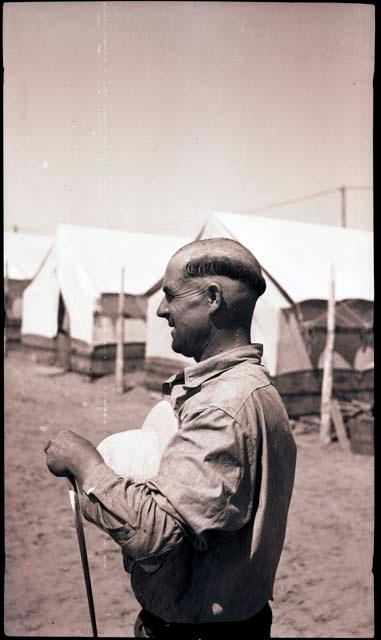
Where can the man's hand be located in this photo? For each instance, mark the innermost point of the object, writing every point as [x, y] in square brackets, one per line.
[68, 454]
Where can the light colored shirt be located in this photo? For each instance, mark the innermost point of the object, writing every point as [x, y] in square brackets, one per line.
[202, 540]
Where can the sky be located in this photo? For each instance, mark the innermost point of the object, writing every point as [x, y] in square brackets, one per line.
[148, 116]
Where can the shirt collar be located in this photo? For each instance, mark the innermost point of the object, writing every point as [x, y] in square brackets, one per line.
[199, 373]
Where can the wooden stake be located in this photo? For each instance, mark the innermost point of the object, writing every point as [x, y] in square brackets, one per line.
[326, 391]
[343, 207]
[339, 425]
[119, 362]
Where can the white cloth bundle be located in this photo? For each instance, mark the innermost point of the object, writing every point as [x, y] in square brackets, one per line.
[136, 454]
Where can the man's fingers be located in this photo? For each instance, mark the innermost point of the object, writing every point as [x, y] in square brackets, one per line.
[55, 469]
[59, 474]
[55, 466]
[69, 453]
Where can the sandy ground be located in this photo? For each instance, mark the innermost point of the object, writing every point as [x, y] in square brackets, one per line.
[324, 585]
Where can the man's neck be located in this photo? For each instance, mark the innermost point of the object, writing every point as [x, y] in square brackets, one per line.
[225, 341]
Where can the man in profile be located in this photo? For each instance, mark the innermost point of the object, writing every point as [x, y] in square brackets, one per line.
[202, 540]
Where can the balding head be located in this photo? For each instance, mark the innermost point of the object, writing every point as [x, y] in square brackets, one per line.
[210, 290]
[222, 257]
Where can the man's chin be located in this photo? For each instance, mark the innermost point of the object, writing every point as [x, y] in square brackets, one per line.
[178, 348]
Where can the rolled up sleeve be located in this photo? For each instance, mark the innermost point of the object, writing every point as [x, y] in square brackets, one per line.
[129, 513]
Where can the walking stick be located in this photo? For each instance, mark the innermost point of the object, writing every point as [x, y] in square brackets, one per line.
[74, 501]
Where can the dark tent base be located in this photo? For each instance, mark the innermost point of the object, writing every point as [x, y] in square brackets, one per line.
[13, 298]
[92, 361]
[13, 330]
[157, 370]
[300, 390]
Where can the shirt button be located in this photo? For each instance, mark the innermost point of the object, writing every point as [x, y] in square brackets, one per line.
[216, 609]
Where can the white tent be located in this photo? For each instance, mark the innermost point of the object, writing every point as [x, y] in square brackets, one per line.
[23, 254]
[287, 249]
[22, 257]
[296, 259]
[78, 285]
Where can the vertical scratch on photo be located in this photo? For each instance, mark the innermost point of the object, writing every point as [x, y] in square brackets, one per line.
[103, 136]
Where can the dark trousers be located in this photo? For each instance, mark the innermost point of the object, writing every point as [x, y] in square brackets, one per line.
[256, 628]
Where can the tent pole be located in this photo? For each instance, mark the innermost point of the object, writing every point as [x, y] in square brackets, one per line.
[343, 207]
[119, 361]
[326, 391]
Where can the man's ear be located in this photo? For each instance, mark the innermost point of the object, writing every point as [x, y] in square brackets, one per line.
[215, 296]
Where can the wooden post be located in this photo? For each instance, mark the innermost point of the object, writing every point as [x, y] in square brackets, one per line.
[343, 207]
[326, 391]
[119, 362]
[338, 422]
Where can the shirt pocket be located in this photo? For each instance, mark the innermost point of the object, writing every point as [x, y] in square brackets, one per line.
[160, 588]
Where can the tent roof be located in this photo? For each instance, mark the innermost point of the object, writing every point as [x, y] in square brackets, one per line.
[298, 255]
[24, 253]
[103, 252]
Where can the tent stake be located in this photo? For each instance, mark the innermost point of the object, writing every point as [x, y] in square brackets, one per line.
[339, 425]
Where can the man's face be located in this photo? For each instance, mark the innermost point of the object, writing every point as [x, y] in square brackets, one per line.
[185, 307]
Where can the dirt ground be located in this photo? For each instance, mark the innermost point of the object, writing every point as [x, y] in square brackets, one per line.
[324, 585]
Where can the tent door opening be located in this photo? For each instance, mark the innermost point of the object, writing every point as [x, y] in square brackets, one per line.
[63, 346]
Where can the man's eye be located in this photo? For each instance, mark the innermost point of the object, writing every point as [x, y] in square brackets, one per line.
[168, 296]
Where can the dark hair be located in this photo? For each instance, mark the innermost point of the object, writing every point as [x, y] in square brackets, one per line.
[228, 267]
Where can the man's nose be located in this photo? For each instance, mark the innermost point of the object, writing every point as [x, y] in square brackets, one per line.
[162, 310]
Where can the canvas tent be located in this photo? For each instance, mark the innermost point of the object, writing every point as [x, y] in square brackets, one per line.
[74, 296]
[22, 257]
[289, 319]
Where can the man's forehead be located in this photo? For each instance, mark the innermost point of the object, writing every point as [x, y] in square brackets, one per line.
[182, 257]
[174, 272]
